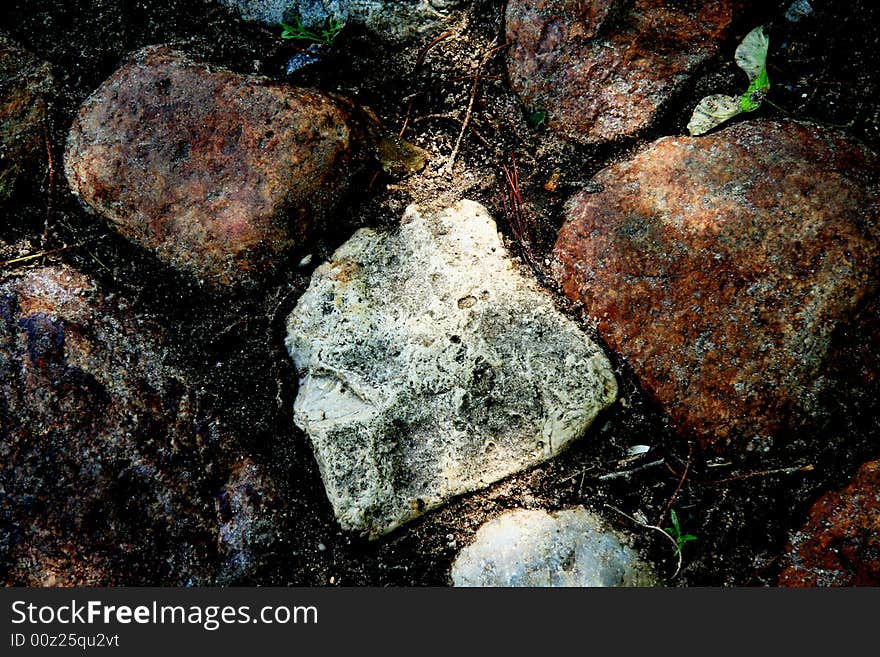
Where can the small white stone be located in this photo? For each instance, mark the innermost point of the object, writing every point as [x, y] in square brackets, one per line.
[535, 548]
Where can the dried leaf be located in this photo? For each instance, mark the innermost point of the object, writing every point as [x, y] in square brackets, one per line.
[751, 54]
[712, 112]
[751, 57]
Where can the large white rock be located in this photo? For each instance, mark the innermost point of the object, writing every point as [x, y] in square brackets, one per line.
[536, 548]
[429, 367]
[398, 18]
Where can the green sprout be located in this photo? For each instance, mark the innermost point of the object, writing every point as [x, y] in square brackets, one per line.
[751, 57]
[538, 119]
[675, 533]
[299, 32]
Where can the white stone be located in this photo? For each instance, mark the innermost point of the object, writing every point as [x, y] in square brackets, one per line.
[430, 367]
[536, 548]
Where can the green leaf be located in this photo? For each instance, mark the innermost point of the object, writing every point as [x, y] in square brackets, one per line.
[712, 111]
[751, 54]
[300, 32]
[687, 537]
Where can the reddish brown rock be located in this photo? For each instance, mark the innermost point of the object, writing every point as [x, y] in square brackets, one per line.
[840, 543]
[25, 87]
[109, 461]
[602, 70]
[726, 268]
[215, 172]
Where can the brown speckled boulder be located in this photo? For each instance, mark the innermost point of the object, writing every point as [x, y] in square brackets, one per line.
[602, 70]
[215, 172]
[840, 543]
[727, 269]
[110, 462]
[25, 88]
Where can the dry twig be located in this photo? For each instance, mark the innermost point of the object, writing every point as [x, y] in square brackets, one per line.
[449, 117]
[50, 164]
[631, 471]
[687, 466]
[447, 168]
[512, 200]
[424, 52]
[763, 473]
[419, 61]
[34, 256]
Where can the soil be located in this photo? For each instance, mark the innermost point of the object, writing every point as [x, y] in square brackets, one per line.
[823, 69]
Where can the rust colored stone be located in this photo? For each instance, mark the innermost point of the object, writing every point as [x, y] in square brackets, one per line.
[109, 460]
[726, 268]
[602, 70]
[216, 173]
[840, 543]
[25, 88]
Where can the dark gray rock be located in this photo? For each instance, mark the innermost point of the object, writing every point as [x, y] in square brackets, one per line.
[111, 460]
[25, 91]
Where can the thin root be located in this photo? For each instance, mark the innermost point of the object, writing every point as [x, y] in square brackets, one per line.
[655, 528]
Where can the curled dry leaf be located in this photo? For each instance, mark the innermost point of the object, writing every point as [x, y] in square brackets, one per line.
[751, 54]
[713, 111]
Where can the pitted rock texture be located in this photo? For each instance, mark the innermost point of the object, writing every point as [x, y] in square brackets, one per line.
[386, 18]
[840, 543]
[25, 91]
[535, 548]
[109, 462]
[603, 70]
[727, 270]
[429, 367]
[214, 172]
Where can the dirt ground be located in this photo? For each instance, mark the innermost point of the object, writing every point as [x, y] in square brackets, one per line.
[742, 513]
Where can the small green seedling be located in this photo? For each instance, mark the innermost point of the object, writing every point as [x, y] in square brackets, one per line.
[299, 32]
[751, 57]
[675, 533]
[538, 119]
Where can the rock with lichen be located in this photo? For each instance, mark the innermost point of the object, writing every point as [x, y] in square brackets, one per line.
[430, 366]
